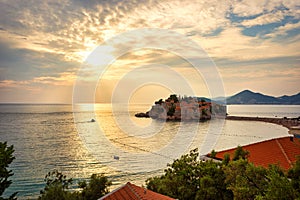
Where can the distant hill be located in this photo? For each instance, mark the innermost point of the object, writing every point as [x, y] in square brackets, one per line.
[249, 97]
[294, 99]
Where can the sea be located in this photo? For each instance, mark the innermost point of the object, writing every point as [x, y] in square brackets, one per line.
[80, 140]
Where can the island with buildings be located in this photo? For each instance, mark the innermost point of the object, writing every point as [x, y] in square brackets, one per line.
[177, 108]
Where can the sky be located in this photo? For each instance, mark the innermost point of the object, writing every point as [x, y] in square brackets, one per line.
[45, 46]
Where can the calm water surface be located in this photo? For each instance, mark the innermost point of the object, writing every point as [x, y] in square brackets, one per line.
[264, 110]
[47, 137]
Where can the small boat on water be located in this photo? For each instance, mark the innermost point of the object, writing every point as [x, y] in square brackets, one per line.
[116, 157]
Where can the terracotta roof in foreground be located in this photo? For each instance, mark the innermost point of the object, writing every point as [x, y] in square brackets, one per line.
[130, 191]
[281, 151]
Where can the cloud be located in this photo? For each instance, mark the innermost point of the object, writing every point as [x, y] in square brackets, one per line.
[12, 83]
[42, 42]
[248, 8]
[186, 16]
[77, 27]
[245, 8]
[265, 19]
[284, 30]
[64, 79]
[26, 64]
[234, 45]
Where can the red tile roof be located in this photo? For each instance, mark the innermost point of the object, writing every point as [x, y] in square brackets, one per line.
[282, 151]
[130, 191]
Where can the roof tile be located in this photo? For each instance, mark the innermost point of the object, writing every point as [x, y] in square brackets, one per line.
[130, 191]
[281, 151]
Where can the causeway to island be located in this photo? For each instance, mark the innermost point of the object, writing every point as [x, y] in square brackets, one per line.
[202, 109]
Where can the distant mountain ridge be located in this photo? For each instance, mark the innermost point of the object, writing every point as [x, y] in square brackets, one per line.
[249, 97]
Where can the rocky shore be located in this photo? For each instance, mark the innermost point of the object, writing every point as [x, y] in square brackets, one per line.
[184, 109]
[286, 122]
[142, 115]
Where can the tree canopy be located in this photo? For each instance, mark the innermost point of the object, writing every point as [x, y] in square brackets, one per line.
[191, 178]
[6, 158]
[57, 187]
[186, 178]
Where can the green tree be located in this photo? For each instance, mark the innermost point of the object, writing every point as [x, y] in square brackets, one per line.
[179, 180]
[159, 102]
[6, 158]
[212, 182]
[174, 98]
[294, 176]
[240, 153]
[56, 187]
[226, 159]
[190, 178]
[171, 110]
[213, 154]
[96, 188]
[244, 179]
[277, 186]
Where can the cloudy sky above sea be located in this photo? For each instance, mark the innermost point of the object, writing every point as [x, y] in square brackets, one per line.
[44, 44]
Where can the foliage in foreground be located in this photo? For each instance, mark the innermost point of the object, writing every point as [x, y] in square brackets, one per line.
[6, 158]
[57, 187]
[191, 178]
[186, 178]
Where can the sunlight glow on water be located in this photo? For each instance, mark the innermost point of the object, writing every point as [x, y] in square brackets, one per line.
[45, 138]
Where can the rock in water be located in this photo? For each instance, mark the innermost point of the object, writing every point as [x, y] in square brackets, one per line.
[146, 115]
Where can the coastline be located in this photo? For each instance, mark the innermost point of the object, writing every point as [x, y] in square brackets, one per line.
[286, 122]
